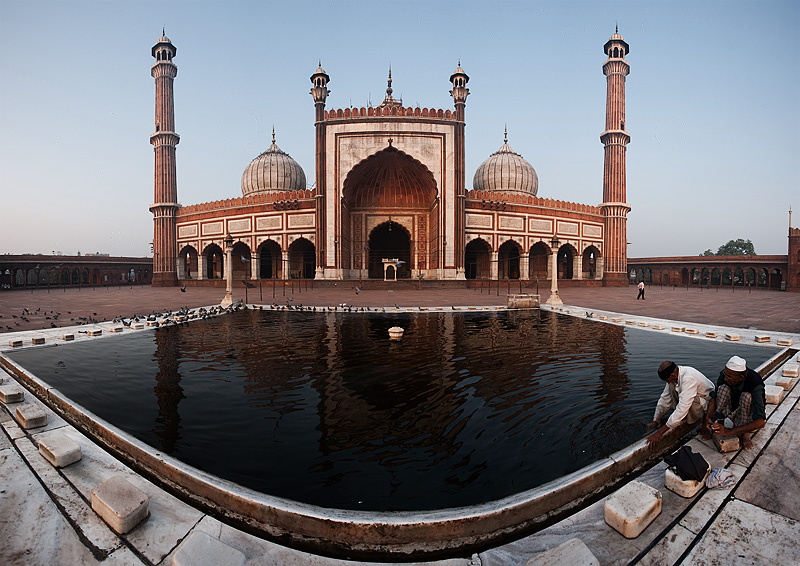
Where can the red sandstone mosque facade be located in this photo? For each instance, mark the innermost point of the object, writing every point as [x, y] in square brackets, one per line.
[390, 200]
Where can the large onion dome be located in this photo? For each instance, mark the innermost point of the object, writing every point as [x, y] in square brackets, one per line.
[506, 172]
[272, 171]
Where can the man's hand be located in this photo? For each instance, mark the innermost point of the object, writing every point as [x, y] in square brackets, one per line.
[653, 425]
[655, 438]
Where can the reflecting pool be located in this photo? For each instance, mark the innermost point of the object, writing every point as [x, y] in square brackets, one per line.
[323, 408]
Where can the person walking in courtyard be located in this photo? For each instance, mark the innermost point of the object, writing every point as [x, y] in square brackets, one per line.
[739, 397]
[641, 291]
[687, 390]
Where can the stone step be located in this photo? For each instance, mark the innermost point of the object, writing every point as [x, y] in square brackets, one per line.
[774, 394]
[791, 370]
[60, 450]
[785, 382]
[726, 443]
[684, 488]
[30, 416]
[11, 393]
[632, 508]
[120, 503]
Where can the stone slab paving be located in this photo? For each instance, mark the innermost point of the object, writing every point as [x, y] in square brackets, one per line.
[688, 531]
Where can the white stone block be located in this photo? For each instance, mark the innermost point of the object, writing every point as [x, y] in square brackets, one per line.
[603, 317]
[200, 549]
[60, 450]
[570, 553]
[632, 508]
[732, 337]
[774, 394]
[711, 334]
[15, 343]
[67, 337]
[30, 416]
[630, 322]
[137, 326]
[726, 443]
[644, 324]
[120, 503]
[616, 320]
[37, 340]
[678, 328]
[784, 342]
[94, 332]
[692, 331]
[762, 338]
[116, 329]
[684, 488]
[152, 323]
[785, 382]
[658, 327]
[791, 370]
[11, 393]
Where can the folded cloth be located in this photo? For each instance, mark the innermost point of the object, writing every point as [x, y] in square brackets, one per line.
[720, 477]
[688, 465]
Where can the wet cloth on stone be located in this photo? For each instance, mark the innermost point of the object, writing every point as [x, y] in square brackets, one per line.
[688, 465]
[720, 477]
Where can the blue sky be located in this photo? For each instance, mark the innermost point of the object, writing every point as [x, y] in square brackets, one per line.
[713, 105]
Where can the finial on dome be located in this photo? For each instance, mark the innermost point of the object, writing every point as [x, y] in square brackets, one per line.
[389, 82]
[616, 27]
[273, 133]
[505, 134]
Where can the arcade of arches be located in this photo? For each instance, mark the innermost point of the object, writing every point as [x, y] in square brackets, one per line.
[712, 271]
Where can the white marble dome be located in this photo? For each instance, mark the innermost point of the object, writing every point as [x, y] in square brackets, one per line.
[273, 171]
[506, 172]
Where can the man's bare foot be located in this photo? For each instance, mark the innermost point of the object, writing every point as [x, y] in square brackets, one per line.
[747, 444]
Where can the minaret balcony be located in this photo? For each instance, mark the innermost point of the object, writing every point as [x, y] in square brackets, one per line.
[159, 139]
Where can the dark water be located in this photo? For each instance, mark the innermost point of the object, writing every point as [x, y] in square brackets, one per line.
[324, 409]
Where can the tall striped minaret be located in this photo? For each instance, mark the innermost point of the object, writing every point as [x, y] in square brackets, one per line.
[165, 204]
[614, 209]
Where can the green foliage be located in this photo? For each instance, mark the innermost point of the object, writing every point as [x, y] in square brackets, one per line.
[734, 247]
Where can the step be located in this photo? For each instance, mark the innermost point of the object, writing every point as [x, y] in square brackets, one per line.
[200, 549]
[684, 488]
[732, 337]
[726, 443]
[11, 393]
[785, 382]
[774, 394]
[30, 416]
[120, 503]
[791, 370]
[632, 508]
[60, 450]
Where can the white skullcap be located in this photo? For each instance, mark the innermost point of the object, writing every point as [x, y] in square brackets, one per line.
[736, 364]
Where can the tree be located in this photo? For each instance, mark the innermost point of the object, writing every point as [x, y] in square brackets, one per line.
[734, 247]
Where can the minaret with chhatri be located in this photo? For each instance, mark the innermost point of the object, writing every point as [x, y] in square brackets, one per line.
[614, 209]
[165, 204]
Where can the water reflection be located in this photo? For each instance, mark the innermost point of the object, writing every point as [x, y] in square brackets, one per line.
[323, 408]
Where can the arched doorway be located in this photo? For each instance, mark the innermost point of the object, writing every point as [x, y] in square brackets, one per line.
[566, 262]
[302, 263]
[188, 263]
[477, 256]
[508, 260]
[589, 264]
[537, 261]
[270, 260]
[389, 240]
[214, 262]
[240, 256]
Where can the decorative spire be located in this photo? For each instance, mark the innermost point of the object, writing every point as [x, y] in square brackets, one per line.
[273, 133]
[389, 83]
[505, 134]
[616, 27]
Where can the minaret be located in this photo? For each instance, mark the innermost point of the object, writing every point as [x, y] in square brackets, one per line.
[165, 204]
[459, 79]
[320, 93]
[614, 209]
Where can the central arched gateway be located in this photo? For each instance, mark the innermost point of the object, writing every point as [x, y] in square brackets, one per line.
[389, 240]
[390, 209]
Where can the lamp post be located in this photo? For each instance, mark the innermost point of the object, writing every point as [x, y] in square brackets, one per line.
[554, 298]
[228, 300]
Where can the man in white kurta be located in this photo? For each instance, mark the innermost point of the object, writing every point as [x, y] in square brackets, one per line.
[687, 390]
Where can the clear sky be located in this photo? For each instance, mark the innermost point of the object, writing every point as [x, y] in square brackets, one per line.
[713, 105]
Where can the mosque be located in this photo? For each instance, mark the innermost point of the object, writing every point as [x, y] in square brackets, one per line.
[390, 200]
